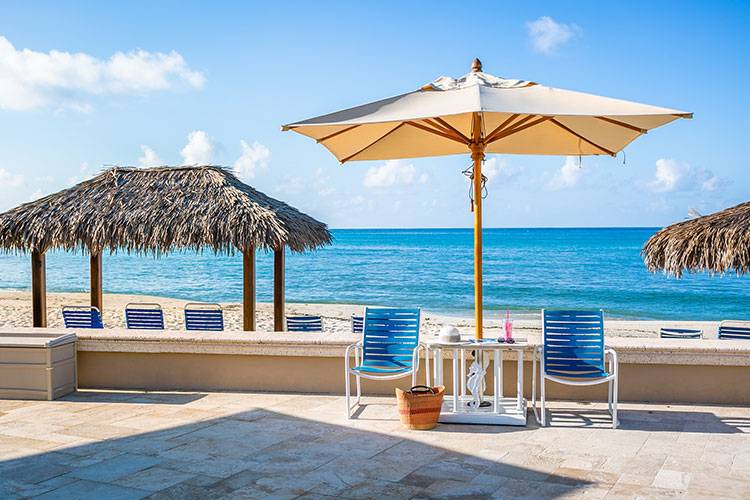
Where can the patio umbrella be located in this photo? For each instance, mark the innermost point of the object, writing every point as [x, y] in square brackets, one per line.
[480, 113]
[716, 243]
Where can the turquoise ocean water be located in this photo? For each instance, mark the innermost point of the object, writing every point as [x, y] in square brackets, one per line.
[524, 269]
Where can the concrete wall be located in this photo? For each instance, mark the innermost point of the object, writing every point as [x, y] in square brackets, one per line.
[228, 372]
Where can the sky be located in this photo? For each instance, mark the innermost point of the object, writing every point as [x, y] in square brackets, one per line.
[86, 85]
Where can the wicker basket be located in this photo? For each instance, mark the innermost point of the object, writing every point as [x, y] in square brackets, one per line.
[419, 407]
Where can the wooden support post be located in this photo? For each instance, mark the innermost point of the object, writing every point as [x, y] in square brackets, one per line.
[248, 289]
[95, 264]
[278, 290]
[38, 289]
[477, 155]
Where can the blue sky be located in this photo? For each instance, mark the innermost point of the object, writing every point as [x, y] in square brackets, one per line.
[84, 85]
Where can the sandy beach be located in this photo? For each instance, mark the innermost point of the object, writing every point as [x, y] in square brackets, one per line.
[15, 311]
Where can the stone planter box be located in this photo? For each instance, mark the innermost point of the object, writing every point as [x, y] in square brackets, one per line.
[37, 365]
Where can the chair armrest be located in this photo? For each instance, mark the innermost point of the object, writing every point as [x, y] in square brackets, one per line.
[357, 346]
[613, 363]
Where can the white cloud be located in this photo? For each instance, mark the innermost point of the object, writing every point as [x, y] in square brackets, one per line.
[673, 175]
[393, 173]
[149, 158]
[84, 173]
[547, 34]
[252, 159]
[500, 170]
[10, 180]
[199, 149]
[31, 79]
[319, 183]
[568, 175]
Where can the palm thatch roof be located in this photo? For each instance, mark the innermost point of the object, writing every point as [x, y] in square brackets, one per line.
[716, 243]
[155, 210]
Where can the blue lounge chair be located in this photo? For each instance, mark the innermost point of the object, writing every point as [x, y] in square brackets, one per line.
[389, 349]
[357, 322]
[737, 330]
[82, 317]
[304, 324]
[144, 316]
[680, 333]
[205, 317]
[573, 353]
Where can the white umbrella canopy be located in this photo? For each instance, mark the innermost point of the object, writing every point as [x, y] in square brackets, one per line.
[481, 113]
[517, 117]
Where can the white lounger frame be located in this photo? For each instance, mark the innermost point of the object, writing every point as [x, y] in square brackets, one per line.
[610, 379]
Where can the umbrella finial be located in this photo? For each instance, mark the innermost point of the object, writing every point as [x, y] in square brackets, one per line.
[476, 65]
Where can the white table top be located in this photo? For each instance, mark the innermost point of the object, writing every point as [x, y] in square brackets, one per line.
[520, 342]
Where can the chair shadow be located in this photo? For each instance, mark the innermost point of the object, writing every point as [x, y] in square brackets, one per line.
[261, 452]
[649, 420]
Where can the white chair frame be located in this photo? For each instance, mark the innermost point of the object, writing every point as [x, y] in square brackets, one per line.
[356, 348]
[611, 379]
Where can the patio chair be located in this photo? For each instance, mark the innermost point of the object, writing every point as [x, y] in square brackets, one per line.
[357, 323]
[204, 316]
[389, 349]
[680, 333]
[304, 324]
[737, 330]
[82, 317]
[144, 316]
[573, 353]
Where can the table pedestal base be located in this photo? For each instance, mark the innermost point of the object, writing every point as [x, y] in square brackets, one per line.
[507, 412]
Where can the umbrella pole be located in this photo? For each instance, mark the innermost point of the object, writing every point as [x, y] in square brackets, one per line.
[477, 154]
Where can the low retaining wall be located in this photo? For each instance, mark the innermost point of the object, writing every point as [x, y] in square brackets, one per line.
[665, 370]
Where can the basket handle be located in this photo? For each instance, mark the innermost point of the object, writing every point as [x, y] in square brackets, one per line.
[421, 389]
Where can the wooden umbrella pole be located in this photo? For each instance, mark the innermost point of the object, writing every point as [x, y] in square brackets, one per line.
[477, 155]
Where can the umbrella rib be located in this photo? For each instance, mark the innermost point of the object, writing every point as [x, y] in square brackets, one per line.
[583, 138]
[374, 142]
[518, 128]
[433, 131]
[501, 127]
[437, 126]
[623, 124]
[329, 136]
[451, 127]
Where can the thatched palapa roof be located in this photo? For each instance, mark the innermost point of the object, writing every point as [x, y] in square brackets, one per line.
[716, 243]
[155, 210]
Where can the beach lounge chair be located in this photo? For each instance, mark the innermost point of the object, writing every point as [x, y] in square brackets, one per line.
[680, 333]
[357, 322]
[144, 316]
[573, 353]
[304, 324]
[389, 349]
[203, 316]
[82, 317]
[737, 330]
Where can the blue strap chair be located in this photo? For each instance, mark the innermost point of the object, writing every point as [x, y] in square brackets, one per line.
[573, 353]
[304, 324]
[680, 333]
[738, 330]
[357, 322]
[205, 317]
[389, 349]
[82, 317]
[144, 316]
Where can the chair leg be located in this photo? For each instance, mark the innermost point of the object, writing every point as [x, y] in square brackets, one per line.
[609, 396]
[543, 406]
[359, 389]
[615, 422]
[346, 396]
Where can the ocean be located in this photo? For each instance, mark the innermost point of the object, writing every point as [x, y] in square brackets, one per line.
[524, 270]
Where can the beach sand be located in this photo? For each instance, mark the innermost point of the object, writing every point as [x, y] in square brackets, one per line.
[15, 311]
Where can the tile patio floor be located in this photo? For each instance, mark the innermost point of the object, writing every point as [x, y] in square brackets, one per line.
[231, 445]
